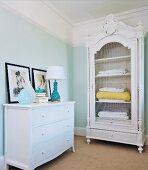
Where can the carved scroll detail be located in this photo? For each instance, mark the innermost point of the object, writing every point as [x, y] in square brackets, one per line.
[111, 25]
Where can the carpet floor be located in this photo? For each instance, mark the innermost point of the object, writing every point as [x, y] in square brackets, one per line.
[99, 155]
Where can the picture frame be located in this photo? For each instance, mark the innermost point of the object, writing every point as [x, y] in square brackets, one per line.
[39, 81]
[16, 77]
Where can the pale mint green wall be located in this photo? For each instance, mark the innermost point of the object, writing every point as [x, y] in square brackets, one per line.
[80, 88]
[80, 85]
[146, 83]
[24, 44]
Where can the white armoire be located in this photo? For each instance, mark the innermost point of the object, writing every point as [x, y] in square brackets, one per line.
[116, 83]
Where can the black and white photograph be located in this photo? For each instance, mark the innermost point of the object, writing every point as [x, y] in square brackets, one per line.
[17, 77]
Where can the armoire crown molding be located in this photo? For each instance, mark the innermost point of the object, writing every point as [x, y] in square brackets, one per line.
[122, 15]
[84, 29]
[41, 15]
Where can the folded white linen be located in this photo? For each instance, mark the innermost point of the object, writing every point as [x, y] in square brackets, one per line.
[113, 71]
[114, 114]
[115, 118]
[112, 89]
[111, 100]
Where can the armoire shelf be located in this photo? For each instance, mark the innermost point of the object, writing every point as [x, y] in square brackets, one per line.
[112, 59]
[120, 102]
[112, 121]
[116, 60]
[112, 75]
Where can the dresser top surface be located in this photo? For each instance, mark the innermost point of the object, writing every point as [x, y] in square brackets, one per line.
[32, 105]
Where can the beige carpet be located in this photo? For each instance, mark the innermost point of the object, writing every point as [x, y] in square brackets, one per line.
[99, 155]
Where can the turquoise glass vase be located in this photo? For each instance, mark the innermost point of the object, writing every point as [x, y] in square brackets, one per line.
[55, 96]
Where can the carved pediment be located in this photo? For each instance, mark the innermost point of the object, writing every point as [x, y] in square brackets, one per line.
[113, 28]
[111, 25]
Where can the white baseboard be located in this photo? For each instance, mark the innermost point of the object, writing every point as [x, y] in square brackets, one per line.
[80, 131]
[2, 163]
[146, 139]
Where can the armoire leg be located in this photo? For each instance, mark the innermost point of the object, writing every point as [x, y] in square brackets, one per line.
[88, 140]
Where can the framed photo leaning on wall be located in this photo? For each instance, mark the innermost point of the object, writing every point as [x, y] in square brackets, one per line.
[16, 76]
[40, 84]
[39, 79]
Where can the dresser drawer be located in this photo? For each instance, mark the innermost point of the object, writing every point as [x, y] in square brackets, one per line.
[51, 114]
[59, 144]
[38, 155]
[52, 148]
[50, 131]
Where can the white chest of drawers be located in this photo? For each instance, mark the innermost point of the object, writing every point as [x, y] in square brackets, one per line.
[37, 133]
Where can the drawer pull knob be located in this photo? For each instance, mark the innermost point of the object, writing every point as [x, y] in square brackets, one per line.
[68, 139]
[43, 153]
[43, 134]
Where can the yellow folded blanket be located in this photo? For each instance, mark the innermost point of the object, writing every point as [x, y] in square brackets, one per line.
[114, 95]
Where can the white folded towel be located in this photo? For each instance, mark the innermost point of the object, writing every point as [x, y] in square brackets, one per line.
[110, 113]
[111, 101]
[113, 71]
[112, 89]
[113, 115]
[115, 118]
